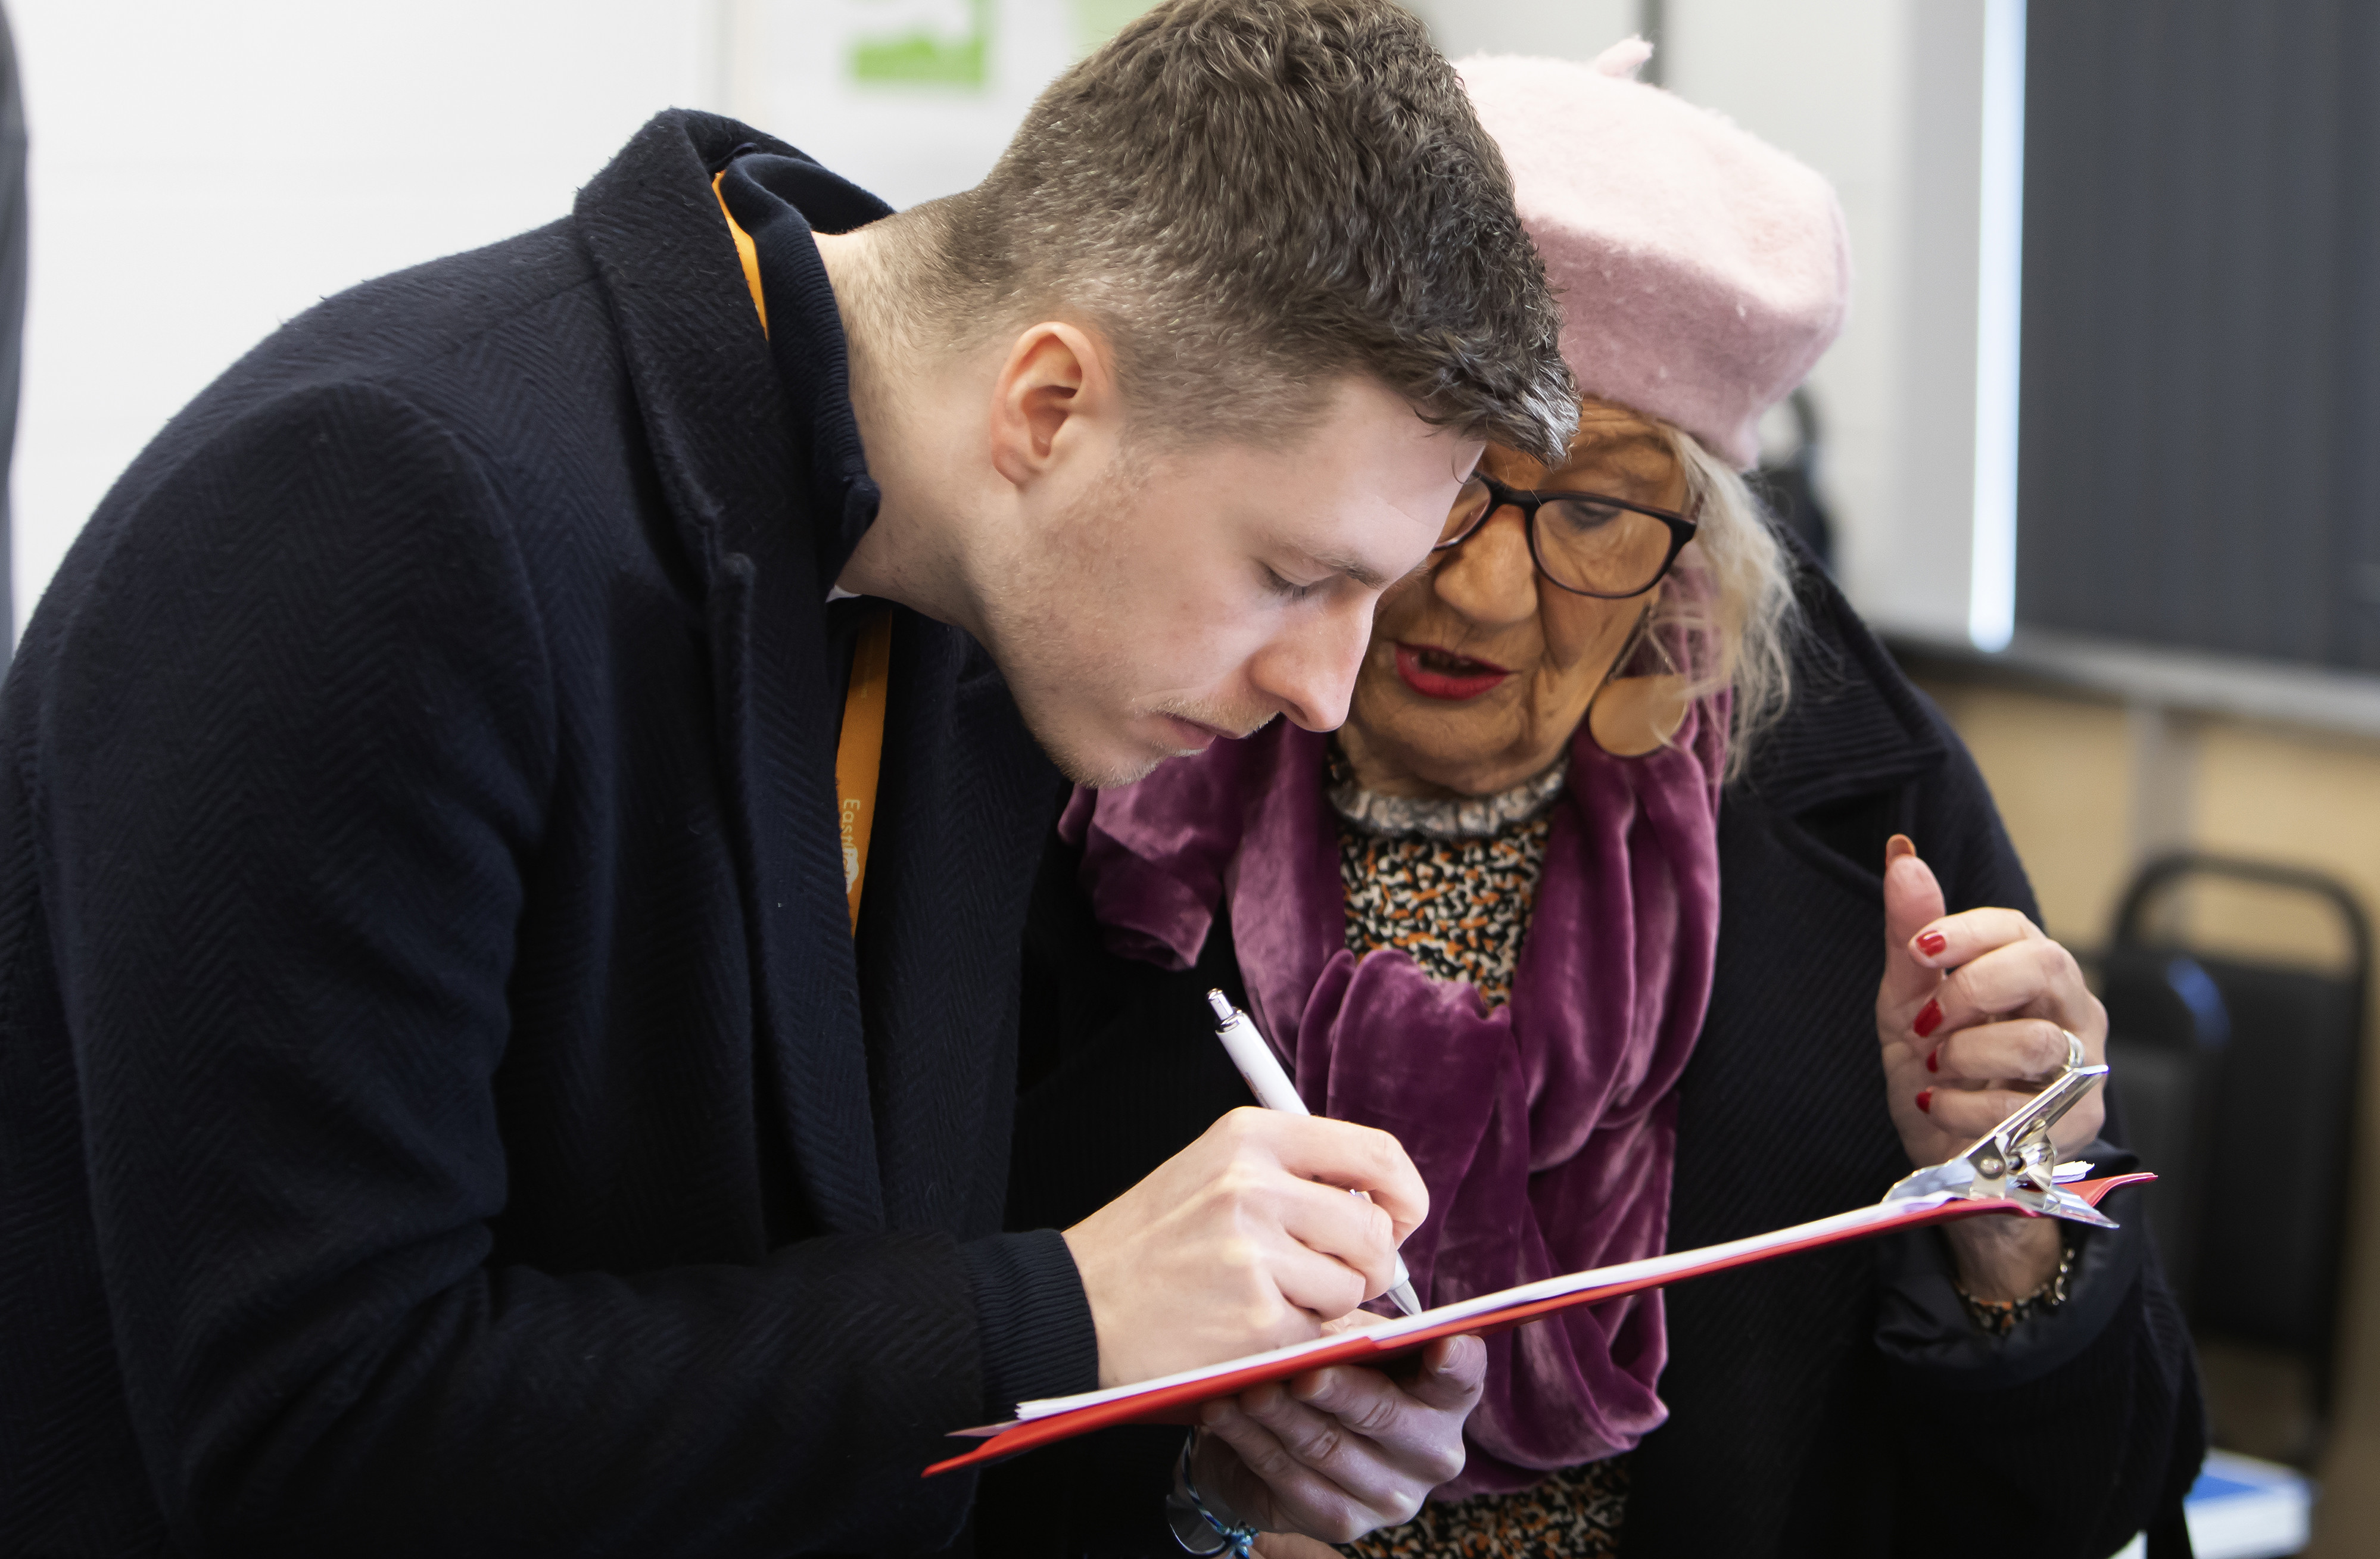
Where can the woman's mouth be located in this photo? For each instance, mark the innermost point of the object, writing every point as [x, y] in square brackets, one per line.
[1440, 674]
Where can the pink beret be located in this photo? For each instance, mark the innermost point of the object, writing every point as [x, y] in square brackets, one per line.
[1701, 270]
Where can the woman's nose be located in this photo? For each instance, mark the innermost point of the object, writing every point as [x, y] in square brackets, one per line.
[1491, 578]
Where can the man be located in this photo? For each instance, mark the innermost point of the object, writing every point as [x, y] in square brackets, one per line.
[509, 990]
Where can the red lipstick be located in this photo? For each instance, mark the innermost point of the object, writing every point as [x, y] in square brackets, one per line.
[1440, 674]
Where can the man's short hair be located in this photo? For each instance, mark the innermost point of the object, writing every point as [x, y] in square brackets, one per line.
[1251, 200]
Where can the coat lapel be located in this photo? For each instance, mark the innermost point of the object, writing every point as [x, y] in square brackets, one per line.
[739, 470]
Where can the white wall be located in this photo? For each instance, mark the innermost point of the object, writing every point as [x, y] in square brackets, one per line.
[1826, 83]
[202, 170]
[1886, 98]
[1564, 29]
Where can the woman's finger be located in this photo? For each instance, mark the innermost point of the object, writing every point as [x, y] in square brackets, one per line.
[2036, 979]
[1949, 941]
[1338, 1452]
[1454, 1372]
[1264, 1484]
[1415, 1422]
[2015, 1047]
[1331, 1449]
[1965, 1113]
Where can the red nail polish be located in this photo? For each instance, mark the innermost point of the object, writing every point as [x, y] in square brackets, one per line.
[1932, 942]
[1925, 1100]
[1934, 1059]
[1929, 1019]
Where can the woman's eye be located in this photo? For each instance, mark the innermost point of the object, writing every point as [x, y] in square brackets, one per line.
[1580, 515]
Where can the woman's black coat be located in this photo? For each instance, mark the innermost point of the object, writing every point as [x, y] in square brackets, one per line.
[1836, 1403]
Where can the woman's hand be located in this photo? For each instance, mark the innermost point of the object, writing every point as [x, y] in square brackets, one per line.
[1338, 1452]
[1970, 1013]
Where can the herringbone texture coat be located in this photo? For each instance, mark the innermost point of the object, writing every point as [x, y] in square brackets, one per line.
[441, 1109]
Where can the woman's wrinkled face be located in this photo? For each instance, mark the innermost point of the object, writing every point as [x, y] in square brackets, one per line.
[1479, 670]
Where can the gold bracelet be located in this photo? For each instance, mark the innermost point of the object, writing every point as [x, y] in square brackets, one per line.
[1999, 1317]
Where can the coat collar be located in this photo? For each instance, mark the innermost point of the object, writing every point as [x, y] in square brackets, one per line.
[716, 420]
[780, 199]
[1855, 725]
[759, 462]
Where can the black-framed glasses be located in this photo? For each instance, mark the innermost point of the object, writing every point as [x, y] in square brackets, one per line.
[1589, 543]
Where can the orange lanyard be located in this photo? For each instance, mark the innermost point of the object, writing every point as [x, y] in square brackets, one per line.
[859, 756]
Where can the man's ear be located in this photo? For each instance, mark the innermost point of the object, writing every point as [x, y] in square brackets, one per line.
[1057, 382]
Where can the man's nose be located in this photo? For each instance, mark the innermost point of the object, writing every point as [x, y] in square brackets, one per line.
[1309, 673]
[1491, 579]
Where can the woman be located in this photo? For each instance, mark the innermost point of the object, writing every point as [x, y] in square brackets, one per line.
[1588, 903]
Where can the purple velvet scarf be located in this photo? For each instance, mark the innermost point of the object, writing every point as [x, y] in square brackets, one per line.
[1545, 1130]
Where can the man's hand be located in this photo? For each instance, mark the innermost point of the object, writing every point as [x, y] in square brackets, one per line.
[1968, 1014]
[1244, 1240]
[1340, 1452]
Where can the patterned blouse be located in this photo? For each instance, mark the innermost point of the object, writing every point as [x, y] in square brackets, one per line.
[1450, 883]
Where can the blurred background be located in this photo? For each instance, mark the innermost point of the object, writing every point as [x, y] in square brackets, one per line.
[2096, 455]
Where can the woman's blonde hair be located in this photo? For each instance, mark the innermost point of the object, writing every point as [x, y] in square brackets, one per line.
[1730, 601]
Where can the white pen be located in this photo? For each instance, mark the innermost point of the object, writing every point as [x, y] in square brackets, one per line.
[1260, 1069]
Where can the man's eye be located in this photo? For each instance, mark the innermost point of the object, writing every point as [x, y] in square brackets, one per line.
[1289, 589]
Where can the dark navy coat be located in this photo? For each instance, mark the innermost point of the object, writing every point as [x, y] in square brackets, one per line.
[441, 1110]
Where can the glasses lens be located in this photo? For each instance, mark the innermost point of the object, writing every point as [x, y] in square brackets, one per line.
[1469, 506]
[1601, 549]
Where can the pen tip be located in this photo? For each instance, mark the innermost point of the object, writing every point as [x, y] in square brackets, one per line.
[1223, 1005]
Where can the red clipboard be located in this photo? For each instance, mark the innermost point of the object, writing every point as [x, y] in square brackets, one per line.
[1176, 1398]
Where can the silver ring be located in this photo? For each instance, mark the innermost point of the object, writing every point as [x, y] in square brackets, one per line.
[2075, 1055]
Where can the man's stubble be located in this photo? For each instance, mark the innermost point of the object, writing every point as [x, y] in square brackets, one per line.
[1070, 642]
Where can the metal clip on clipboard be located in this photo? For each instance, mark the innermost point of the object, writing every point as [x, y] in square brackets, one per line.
[2016, 1158]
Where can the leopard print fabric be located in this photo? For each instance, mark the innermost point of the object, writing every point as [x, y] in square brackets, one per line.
[1459, 906]
[1575, 1514]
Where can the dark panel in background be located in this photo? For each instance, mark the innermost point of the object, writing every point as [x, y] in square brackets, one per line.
[2198, 442]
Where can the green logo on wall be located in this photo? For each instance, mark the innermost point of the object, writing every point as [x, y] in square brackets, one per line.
[926, 55]
[922, 53]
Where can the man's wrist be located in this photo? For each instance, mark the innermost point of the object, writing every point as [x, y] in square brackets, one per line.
[1033, 1318]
